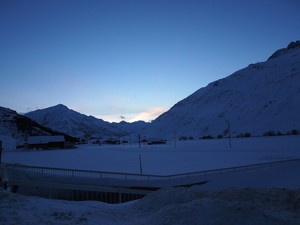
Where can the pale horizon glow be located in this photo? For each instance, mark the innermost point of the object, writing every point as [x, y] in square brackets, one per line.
[147, 115]
[129, 59]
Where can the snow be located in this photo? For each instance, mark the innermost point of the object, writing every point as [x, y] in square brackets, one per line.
[8, 142]
[6, 128]
[171, 206]
[258, 98]
[188, 156]
[262, 196]
[61, 118]
[285, 175]
[261, 97]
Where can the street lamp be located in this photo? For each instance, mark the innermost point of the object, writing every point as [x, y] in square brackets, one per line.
[229, 132]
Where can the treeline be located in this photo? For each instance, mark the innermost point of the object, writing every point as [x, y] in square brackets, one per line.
[243, 135]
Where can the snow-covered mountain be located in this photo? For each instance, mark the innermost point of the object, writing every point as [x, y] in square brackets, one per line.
[261, 97]
[63, 119]
[133, 127]
[15, 128]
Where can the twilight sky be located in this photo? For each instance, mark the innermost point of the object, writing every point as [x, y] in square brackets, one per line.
[131, 59]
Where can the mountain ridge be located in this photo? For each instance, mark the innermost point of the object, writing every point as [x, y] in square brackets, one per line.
[263, 96]
[63, 119]
[15, 129]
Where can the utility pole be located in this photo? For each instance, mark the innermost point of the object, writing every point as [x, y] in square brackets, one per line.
[1, 162]
[174, 139]
[229, 132]
[139, 140]
[141, 168]
[0, 151]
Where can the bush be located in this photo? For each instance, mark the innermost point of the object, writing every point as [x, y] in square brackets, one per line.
[183, 138]
[207, 137]
[269, 133]
[293, 132]
[247, 134]
[220, 136]
[242, 135]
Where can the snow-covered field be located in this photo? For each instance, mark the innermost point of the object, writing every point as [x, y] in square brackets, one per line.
[188, 156]
[223, 200]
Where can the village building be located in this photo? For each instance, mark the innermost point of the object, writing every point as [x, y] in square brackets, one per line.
[156, 141]
[46, 142]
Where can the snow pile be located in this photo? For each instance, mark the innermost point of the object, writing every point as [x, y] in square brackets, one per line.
[246, 206]
[178, 206]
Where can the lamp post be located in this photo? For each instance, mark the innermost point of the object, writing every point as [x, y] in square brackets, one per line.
[229, 132]
[1, 162]
[174, 139]
[99, 140]
[0, 151]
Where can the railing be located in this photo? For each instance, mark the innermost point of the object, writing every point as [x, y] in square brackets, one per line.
[77, 173]
[109, 187]
[128, 176]
[232, 169]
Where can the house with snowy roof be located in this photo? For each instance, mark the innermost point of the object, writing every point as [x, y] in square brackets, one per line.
[46, 142]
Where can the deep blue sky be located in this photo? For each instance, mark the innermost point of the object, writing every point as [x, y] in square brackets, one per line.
[131, 59]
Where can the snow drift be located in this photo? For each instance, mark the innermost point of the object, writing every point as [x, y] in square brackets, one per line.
[178, 206]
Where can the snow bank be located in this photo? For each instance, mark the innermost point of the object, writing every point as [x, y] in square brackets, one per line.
[281, 175]
[246, 206]
[177, 206]
[8, 142]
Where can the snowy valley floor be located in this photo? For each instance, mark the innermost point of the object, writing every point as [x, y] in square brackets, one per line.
[262, 196]
[188, 156]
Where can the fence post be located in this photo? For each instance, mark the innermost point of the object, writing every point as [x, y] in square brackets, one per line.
[120, 196]
[0, 151]
[0, 161]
